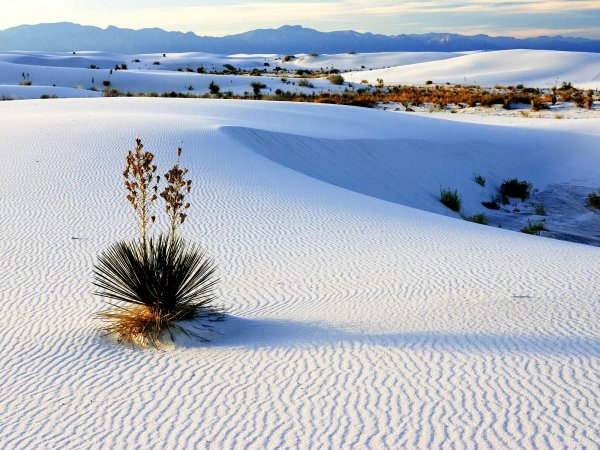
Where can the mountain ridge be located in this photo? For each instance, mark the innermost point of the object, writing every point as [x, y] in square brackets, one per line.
[67, 36]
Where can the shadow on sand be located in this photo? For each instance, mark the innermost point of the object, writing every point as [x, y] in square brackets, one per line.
[238, 332]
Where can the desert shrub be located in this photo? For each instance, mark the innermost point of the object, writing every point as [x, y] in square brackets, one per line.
[257, 86]
[491, 205]
[336, 79]
[213, 88]
[593, 200]
[515, 188]
[480, 218]
[156, 63]
[288, 58]
[589, 99]
[25, 83]
[169, 282]
[162, 280]
[450, 198]
[540, 210]
[46, 96]
[533, 228]
[537, 104]
[479, 179]
[228, 68]
[106, 83]
[305, 83]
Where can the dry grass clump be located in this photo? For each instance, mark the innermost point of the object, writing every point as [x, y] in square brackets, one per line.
[161, 280]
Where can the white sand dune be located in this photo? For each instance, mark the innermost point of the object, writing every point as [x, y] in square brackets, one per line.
[366, 61]
[354, 322]
[146, 81]
[48, 71]
[538, 68]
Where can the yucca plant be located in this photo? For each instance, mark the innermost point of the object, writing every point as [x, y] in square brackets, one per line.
[160, 280]
[172, 281]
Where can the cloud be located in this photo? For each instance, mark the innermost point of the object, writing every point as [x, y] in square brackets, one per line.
[384, 16]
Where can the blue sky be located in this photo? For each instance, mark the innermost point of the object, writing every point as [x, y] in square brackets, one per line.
[217, 18]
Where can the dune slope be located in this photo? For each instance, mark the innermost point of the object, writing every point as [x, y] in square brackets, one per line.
[538, 68]
[354, 322]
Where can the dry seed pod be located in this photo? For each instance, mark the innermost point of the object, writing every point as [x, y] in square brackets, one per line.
[140, 182]
[174, 195]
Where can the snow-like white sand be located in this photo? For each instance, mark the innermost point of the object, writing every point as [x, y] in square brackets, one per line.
[70, 75]
[354, 322]
[537, 68]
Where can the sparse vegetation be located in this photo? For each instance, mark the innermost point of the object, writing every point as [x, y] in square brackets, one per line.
[450, 198]
[336, 79]
[256, 87]
[515, 188]
[305, 83]
[540, 210]
[593, 199]
[480, 218]
[534, 228]
[214, 88]
[479, 179]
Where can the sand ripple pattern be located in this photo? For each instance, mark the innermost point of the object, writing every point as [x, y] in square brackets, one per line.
[353, 322]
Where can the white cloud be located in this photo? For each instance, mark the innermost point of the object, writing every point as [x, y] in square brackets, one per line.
[219, 19]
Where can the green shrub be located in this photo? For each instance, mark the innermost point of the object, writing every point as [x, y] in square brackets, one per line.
[480, 218]
[25, 83]
[257, 86]
[593, 200]
[533, 228]
[213, 88]
[305, 83]
[515, 188]
[479, 179]
[450, 198]
[169, 282]
[540, 210]
[161, 280]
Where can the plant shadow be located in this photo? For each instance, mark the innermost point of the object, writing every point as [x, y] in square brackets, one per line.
[239, 332]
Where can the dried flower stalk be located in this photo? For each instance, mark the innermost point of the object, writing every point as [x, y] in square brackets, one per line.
[142, 186]
[174, 195]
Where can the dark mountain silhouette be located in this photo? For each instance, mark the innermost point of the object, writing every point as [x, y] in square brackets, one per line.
[287, 39]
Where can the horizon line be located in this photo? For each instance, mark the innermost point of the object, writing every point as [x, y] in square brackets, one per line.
[303, 27]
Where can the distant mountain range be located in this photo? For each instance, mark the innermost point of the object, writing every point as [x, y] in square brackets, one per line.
[287, 39]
